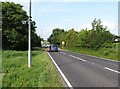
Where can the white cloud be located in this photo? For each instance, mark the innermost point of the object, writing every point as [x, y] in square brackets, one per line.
[88, 26]
[44, 32]
[112, 27]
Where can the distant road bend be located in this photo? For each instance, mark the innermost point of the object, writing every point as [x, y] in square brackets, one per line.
[86, 71]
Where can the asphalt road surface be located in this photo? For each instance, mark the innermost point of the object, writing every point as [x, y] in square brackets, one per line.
[86, 71]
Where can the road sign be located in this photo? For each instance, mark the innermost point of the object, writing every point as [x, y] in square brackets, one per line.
[42, 42]
[63, 42]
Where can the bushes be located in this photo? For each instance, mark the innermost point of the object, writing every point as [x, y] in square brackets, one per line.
[95, 38]
[108, 45]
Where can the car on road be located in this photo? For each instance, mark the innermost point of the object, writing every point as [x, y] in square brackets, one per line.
[53, 48]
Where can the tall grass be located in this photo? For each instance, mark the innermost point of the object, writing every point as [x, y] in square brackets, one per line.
[17, 74]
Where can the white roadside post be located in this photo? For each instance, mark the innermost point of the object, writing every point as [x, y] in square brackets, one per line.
[29, 37]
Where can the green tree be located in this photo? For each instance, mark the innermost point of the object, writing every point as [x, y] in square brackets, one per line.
[95, 37]
[83, 38]
[71, 38]
[99, 34]
[62, 37]
[14, 27]
[54, 37]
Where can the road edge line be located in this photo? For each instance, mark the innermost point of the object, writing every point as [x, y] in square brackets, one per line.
[60, 71]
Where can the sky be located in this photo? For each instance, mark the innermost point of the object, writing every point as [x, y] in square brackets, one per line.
[67, 14]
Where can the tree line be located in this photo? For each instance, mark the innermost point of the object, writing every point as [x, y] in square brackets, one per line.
[15, 28]
[98, 36]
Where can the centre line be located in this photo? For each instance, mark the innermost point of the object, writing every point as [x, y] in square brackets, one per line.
[112, 70]
[77, 58]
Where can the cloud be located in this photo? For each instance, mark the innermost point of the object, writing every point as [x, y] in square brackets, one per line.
[88, 26]
[44, 32]
[112, 27]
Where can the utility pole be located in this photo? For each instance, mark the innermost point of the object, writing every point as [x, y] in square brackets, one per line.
[29, 37]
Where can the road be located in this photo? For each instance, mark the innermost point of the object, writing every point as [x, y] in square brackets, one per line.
[86, 71]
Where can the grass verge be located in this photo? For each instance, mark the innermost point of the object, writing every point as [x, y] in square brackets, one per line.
[17, 74]
[108, 53]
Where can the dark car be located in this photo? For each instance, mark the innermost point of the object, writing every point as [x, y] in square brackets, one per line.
[53, 48]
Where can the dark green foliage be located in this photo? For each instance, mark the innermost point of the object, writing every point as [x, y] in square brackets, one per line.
[15, 27]
[95, 38]
[71, 38]
[109, 45]
[54, 37]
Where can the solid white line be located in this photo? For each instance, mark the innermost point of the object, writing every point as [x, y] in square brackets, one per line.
[93, 63]
[112, 70]
[65, 79]
[77, 58]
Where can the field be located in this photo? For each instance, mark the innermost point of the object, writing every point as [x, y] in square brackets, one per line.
[109, 53]
[17, 74]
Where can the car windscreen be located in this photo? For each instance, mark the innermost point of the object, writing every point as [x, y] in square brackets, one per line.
[53, 45]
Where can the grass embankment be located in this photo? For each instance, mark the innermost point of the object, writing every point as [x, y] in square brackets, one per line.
[109, 53]
[17, 74]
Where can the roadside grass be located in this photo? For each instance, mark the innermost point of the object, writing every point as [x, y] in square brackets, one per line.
[109, 53]
[17, 74]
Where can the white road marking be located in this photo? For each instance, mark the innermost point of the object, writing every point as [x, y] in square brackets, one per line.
[65, 79]
[77, 58]
[112, 70]
[93, 63]
[96, 57]
[62, 52]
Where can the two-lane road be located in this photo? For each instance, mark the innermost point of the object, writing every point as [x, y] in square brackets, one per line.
[87, 71]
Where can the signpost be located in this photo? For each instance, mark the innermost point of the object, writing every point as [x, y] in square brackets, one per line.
[29, 37]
